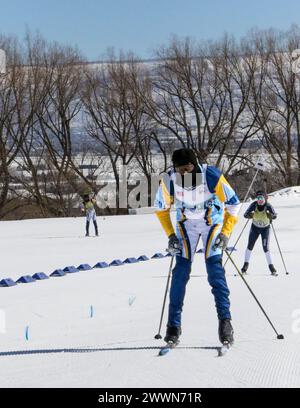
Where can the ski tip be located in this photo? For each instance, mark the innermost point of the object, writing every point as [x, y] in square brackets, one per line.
[223, 349]
[164, 351]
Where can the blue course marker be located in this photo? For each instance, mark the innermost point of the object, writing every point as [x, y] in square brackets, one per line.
[7, 282]
[40, 276]
[84, 267]
[130, 260]
[58, 272]
[131, 300]
[101, 265]
[70, 269]
[91, 311]
[143, 258]
[27, 333]
[116, 262]
[157, 255]
[231, 249]
[26, 279]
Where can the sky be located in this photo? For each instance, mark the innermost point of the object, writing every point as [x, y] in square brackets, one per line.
[140, 25]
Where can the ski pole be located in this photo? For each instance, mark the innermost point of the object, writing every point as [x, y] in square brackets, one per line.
[258, 166]
[279, 336]
[250, 187]
[233, 248]
[286, 272]
[158, 335]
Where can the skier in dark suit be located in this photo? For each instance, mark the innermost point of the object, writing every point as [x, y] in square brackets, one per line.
[262, 214]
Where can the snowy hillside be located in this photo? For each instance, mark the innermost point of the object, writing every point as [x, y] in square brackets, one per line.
[287, 192]
[96, 328]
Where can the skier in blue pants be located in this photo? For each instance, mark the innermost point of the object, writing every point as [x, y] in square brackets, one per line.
[206, 207]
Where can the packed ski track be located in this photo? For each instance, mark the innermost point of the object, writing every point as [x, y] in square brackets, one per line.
[49, 338]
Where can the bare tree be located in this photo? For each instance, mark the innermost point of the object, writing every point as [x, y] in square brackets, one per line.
[114, 115]
[200, 97]
[16, 116]
[277, 101]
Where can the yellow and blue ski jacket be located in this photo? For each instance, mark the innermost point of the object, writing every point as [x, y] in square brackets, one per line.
[212, 199]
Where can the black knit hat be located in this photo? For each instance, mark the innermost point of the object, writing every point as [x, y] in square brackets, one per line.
[181, 157]
[260, 193]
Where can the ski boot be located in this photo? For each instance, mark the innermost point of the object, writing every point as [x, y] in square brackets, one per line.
[272, 270]
[225, 331]
[245, 267]
[172, 334]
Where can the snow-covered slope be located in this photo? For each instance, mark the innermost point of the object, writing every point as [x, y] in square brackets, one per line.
[287, 192]
[115, 347]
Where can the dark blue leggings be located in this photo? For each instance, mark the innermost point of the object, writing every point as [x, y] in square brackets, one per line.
[255, 232]
[216, 279]
[87, 226]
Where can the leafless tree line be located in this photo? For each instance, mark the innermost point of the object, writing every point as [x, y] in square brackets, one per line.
[230, 101]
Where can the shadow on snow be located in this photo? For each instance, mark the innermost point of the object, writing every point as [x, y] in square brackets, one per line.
[93, 350]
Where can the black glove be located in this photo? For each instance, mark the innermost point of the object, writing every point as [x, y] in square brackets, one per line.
[173, 245]
[249, 216]
[221, 242]
[271, 216]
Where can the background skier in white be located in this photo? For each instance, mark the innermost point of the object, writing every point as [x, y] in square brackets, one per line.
[88, 207]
